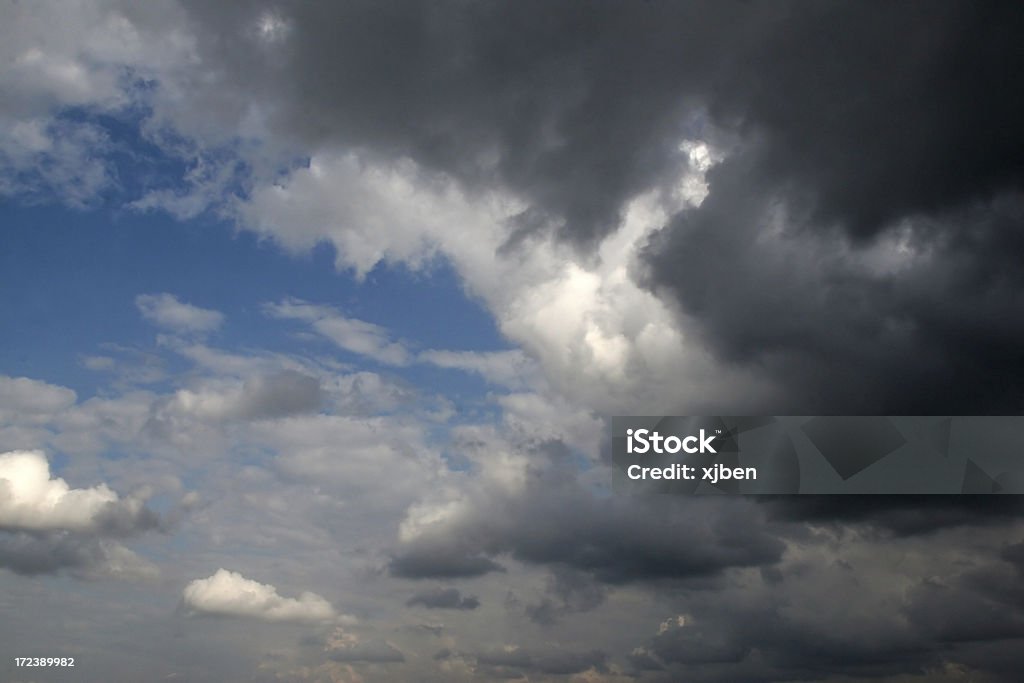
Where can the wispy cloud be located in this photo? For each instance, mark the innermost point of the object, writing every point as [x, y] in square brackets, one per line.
[168, 312]
[357, 336]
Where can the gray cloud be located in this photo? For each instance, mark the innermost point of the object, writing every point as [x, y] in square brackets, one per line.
[443, 598]
[962, 613]
[549, 661]
[279, 395]
[602, 92]
[917, 321]
[83, 556]
[567, 592]
[617, 540]
[438, 563]
[377, 651]
[899, 515]
[953, 615]
[486, 93]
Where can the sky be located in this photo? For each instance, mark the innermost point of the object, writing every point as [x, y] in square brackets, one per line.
[315, 314]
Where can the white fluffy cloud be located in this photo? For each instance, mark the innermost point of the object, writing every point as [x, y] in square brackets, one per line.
[602, 340]
[228, 593]
[61, 53]
[31, 499]
[166, 311]
[370, 213]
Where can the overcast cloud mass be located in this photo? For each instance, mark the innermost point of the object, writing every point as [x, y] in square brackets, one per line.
[314, 314]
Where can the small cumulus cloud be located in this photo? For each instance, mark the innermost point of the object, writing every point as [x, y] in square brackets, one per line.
[46, 526]
[230, 594]
[168, 312]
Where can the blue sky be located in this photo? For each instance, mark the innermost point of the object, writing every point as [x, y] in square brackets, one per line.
[98, 260]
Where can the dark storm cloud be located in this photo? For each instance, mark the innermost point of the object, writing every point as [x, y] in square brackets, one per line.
[552, 661]
[878, 110]
[857, 122]
[964, 611]
[615, 540]
[845, 120]
[569, 104]
[762, 642]
[695, 647]
[567, 591]
[902, 515]
[875, 112]
[566, 663]
[438, 563]
[517, 658]
[642, 660]
[853, 328]
[1001, 583]
[1014, 554]
[444, 598]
